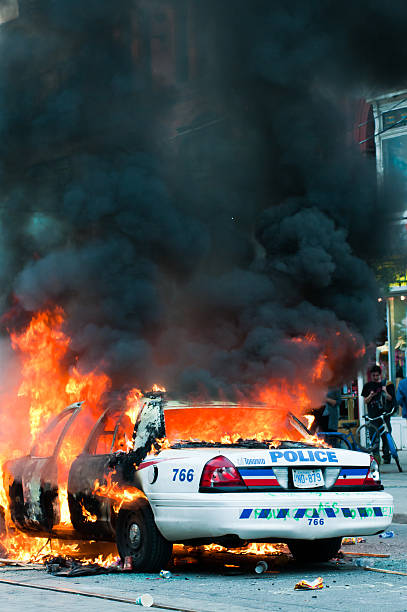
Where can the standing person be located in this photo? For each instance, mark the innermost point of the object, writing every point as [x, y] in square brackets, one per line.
[331, 411]
[378, 398]
[401, 397]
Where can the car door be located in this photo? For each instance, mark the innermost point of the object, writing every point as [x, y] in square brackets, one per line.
[32, 481]
[92, 512]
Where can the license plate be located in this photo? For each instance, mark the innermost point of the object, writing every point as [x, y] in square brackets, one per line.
[307, 479]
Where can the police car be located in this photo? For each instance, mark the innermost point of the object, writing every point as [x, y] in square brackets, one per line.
[197, 492]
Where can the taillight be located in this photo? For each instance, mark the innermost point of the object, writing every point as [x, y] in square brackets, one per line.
[220, 472]
[373, 475]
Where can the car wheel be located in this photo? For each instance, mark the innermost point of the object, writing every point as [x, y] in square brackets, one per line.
[137, 537]
[315, 550]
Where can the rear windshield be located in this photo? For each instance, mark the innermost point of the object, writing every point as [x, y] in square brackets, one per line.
[226, 423]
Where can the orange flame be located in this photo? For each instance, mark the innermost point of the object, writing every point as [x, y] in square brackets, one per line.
[113, 491]
[47, 387]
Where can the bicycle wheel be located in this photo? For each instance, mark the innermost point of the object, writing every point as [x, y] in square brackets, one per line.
[337, 441]
[393, 450]
[367, 438]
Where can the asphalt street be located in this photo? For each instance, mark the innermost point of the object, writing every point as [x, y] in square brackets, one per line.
[395, 482]
[215, 582]
[208, 582]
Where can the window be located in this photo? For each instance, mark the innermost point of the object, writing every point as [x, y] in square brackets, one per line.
[8, 10]
[45, 445]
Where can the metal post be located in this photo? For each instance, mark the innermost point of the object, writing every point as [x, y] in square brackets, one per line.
[362, 407]
[391, 373]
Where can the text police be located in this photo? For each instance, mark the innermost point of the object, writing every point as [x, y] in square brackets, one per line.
[320, 456]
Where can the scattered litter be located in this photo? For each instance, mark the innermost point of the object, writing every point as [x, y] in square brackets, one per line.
[387, 534]
[128, 564]
[261, 567]
[165, 574]
[309, 586]
[144, 600]
[351, 541]
[69, 567]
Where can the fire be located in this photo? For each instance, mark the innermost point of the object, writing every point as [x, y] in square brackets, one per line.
[319, 367]
[47, 387]
[63, 504]
[310, 418]
[133, 404]
[92, 518]
[157, 388]
[251, 549]
[266, 419]
[113, 491]
[49, 384]
[42, 346]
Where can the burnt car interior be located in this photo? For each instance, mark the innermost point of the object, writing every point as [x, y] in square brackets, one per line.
[114, 447]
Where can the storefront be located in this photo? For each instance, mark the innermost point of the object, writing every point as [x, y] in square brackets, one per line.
[390, 121]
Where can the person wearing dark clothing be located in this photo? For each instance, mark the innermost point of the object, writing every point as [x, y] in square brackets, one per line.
[331, 411]
[402, 397]
[379, 398]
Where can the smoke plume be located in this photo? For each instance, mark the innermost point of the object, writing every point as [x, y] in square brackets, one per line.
[199, 258]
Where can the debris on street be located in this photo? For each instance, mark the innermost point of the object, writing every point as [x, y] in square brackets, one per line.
[304, 585]
[68, 567]
[128, 564]
[351, 541]
[165, 574]
[387, 534]
[144, 600]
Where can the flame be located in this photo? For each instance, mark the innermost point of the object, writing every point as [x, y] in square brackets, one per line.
[91, 518]
[319, 367]
[113, 491]
[49, 384]
[47, 387]
[134, 405]
[267, 419]
[251, 549]
[310, 418]
[63, 505]
[157, 388]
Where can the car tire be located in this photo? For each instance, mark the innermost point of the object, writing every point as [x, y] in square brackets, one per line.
[315, 550]
[137, 537]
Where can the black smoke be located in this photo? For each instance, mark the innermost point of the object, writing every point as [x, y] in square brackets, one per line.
[196, 260]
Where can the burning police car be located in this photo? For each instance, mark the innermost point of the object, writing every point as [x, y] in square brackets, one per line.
[195, 489]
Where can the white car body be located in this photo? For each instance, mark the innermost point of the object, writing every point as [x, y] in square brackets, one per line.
[171, 482]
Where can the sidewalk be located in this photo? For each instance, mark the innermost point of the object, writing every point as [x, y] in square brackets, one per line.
[395, 482]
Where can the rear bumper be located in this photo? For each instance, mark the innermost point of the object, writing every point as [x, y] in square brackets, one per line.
[252, 516]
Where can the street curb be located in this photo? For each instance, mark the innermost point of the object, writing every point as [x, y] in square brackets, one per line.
[399, 518]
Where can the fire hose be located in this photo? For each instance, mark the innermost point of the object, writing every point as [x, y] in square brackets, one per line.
[90, 594]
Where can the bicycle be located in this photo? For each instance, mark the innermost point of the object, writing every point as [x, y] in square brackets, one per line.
[366, 439]
[339, 439]
[372, 433]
